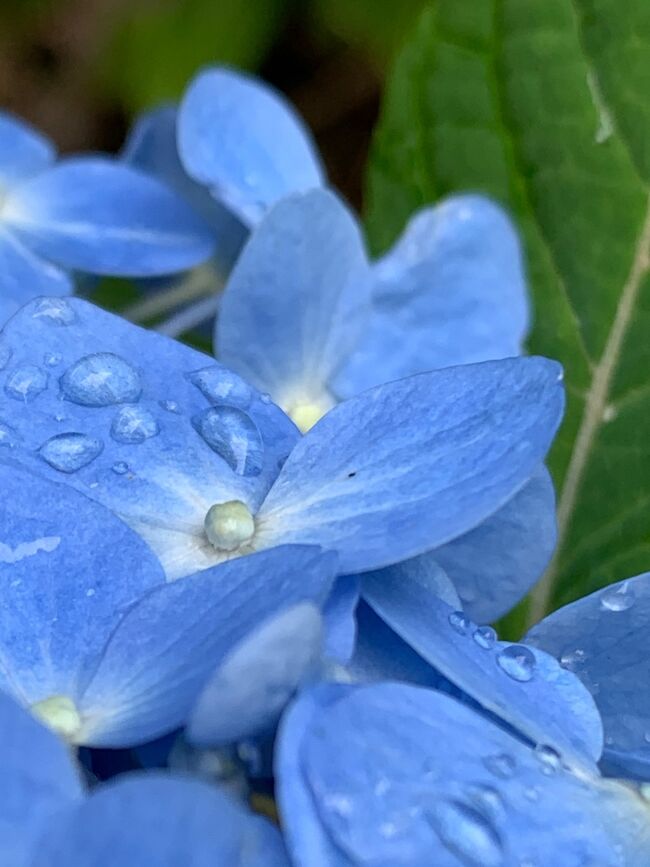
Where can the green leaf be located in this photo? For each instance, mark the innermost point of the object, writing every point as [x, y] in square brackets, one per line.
[545, 105]
[158, 48]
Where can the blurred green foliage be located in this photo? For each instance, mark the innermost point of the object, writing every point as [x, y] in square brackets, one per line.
[157, 49]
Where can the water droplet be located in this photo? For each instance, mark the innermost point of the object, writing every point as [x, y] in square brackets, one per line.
[265, 397]
[573, 659]
[502, 765]
[56, 311]
[220, 385]
[549, 759]
[8, 436]
[459, 622]
[134, 425]
[70, 452]
[51, 359]
[120, 468]
[518, 662]
[646, 737]
[102, 379]
[618, 598]
[26, 383]
[5, 355]
[90, 592]
[467, 833]
[485, 637]
[234, 436]
[169, 405]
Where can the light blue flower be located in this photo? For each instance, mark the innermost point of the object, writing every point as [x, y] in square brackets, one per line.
[104, 420]
[87, 213]
[47, 819]
[400, 775]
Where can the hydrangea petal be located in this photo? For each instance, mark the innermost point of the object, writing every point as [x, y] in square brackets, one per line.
[151, 147]
[245, 142]
[166, 648]
[494, 566]
[339, 618]
[99, 215]
[189, 435]
[23, 276]
[603, 639]
[411, 465]
[163, 820]
[68, 570]
[39, 782]
[543, 701]
[451, 291]
[246, 695]
[23, 151]
[297, 301]
[391, 774]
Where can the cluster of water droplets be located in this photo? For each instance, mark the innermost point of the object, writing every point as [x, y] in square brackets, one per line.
[515, 660]
[104, 379]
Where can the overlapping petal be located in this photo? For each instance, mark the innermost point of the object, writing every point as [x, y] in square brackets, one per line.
[162, 820]
[411, 465]
[603, 639]
[297, 302]
[244, 142]
[395, 774]
[526, 689]
[494, 566]
[451, 291]
[151, 147]
[98, 215]
[246, 695]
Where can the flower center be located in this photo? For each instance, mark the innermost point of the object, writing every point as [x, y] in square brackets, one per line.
[59, 713]
[229, 525]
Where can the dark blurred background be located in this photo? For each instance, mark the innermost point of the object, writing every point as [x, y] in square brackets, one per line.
[81, 69]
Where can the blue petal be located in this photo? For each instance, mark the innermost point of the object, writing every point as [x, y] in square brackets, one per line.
[39, 782]
[162, 820]
[297, 301]
[24, 276]
[98, 215]
[380, 654]
[23, 151]
[192, 434]
[246, 695]
[339, 618]
[245, 142]
[451, 291]
[603, 639]
[396, 775]
[151, 147]
[166, 648]
[68, 570]
[494, 566]
[411, 465]
[541, 700]
[307, 841]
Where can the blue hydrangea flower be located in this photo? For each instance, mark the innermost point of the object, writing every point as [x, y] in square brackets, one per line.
[602, 638]
[395, 774]
[48, 820]
[306, 318]
[89, 214]
[206, 469]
